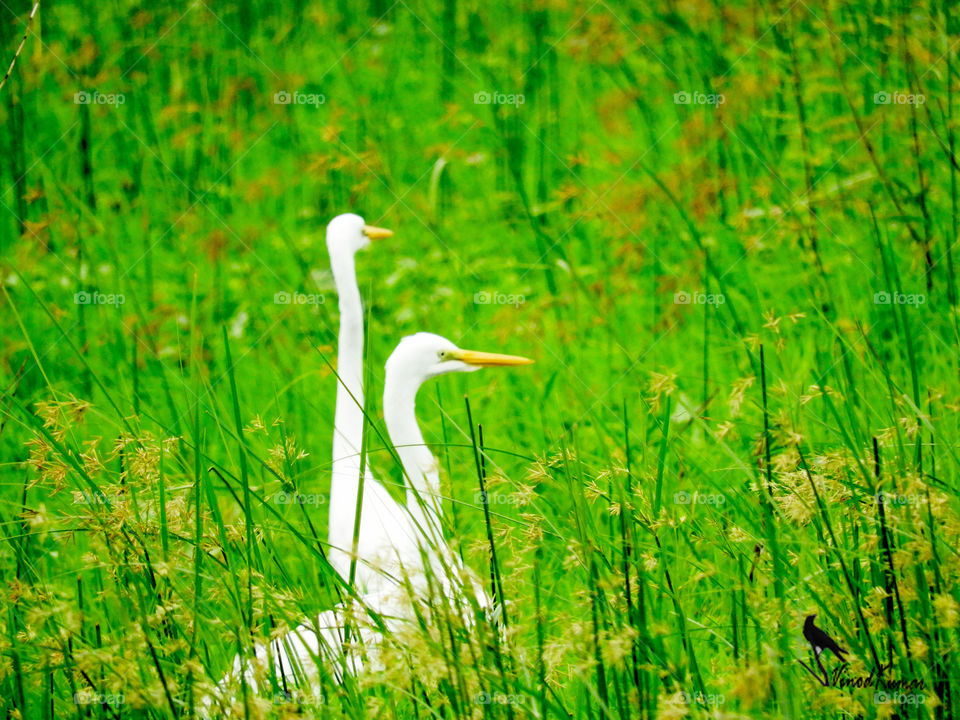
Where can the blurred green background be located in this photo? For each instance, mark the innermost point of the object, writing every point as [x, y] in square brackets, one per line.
[723, 231]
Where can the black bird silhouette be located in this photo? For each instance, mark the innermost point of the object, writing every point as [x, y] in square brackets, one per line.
[820, 640]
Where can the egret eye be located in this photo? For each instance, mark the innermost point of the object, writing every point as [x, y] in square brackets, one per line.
[442, 354]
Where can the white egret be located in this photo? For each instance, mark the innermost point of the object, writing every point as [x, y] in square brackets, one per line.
[392, 539]
[402, 537]
[415, 360]
[298, 651]
[396, 544]
[296, 658]
[346, 235]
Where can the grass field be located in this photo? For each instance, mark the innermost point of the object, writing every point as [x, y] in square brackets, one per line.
[723, 232]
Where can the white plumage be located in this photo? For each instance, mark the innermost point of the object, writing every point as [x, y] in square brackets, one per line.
[402, 557]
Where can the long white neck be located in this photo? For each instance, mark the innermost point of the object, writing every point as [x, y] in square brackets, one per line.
[348, 415]
[419, 466]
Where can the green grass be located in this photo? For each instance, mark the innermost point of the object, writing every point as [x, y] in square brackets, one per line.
[142, 542]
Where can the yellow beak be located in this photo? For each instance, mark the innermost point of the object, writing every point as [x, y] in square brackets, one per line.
[485, 359]
[375, 233]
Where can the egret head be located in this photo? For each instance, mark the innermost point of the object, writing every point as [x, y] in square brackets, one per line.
[348, 233]
[422, 356]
